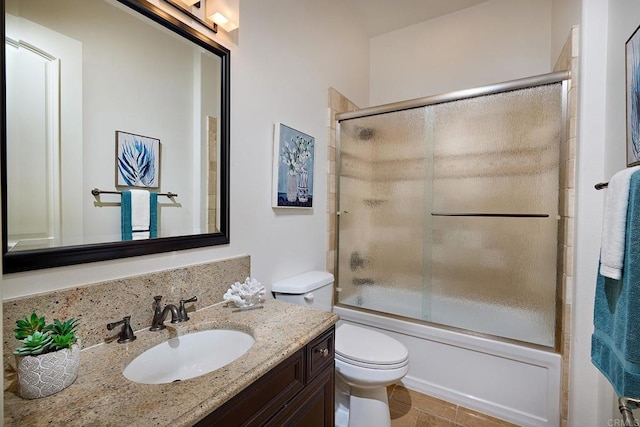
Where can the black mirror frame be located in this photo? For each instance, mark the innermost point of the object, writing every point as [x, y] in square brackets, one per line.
[70, 255]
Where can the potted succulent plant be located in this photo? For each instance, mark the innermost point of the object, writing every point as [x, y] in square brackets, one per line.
[49, 357]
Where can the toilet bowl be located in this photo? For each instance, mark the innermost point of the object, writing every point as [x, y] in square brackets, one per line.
[366, 361]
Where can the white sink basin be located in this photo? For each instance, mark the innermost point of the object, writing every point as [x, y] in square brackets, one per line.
[188, 356]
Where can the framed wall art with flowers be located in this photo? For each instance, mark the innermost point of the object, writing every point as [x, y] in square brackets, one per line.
[293, 161]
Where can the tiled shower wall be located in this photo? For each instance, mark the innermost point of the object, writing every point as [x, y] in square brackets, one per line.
[568, 60]
[337, 104]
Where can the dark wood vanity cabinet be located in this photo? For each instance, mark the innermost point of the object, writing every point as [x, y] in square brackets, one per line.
[297, 392]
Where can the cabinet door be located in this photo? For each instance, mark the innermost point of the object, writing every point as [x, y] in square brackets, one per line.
[258, 402]
[313, 407]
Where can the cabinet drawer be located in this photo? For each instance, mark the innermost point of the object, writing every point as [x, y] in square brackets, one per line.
[320, 353]
[267, 395]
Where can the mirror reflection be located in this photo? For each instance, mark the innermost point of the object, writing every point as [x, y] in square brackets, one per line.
[91, 85]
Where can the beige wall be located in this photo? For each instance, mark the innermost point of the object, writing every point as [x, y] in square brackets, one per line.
[564, 15]
[491, 42]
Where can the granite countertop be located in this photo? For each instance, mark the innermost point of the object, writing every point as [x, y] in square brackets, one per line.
[101, 395]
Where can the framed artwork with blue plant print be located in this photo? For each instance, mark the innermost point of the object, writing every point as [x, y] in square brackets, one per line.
[632, 49]
[293, 161]
[137, 160]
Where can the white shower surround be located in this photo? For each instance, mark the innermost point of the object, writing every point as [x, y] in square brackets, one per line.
[520, 384]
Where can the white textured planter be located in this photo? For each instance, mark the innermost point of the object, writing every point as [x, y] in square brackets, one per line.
[47, 374]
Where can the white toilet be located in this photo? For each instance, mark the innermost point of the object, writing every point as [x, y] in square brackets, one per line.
[366, 361]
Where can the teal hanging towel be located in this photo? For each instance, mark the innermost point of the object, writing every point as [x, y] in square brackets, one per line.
[125, 215]
[139, 215]
[615, 343]
[153, 215]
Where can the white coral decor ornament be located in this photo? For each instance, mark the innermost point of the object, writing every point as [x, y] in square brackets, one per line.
[245, 294]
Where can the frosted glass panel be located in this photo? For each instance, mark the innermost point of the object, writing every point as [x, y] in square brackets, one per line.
[495, 275]
[498, 153]
[449, 213]
[383, 178]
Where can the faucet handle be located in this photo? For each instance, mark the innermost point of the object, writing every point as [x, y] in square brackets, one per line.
[158, 305]
[126, 334]
[182, 311]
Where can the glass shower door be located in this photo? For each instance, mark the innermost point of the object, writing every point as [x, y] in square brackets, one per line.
[384, 176]
[495, 213]
[449, 213]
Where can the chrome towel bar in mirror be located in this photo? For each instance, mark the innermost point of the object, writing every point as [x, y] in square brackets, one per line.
[96, 192]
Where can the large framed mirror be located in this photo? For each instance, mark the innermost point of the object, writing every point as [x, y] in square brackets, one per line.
[87, 87]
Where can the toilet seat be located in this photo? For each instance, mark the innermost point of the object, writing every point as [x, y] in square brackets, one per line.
[369, 349]
[371, 365]
[360, 377]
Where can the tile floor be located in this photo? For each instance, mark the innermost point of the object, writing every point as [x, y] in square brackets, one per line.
[412, 409]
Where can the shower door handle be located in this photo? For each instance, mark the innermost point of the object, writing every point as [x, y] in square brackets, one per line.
[491, 215]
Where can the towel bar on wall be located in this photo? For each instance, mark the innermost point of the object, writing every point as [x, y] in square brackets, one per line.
[601, 185]
[96, 192]
[626, 404]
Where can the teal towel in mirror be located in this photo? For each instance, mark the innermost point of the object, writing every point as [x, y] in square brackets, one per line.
[153, 215]
[125, 215]
[126, 223]
[615, 343]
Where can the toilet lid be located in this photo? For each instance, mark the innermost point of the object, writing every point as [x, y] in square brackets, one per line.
[369, 347]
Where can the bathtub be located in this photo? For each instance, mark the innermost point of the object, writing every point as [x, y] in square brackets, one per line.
[508, 322]
[517, 383]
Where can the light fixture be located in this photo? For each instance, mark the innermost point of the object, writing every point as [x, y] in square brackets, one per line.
[224, 13]
[214, 14]
[184, 7]
[222, 21]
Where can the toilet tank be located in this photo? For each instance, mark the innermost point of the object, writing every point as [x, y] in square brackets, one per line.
[313, 289]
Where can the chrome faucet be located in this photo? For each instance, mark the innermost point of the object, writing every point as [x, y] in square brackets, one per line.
[160, 315]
